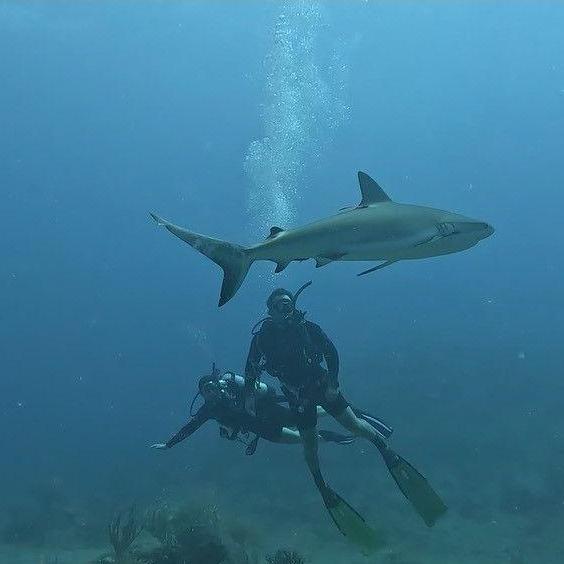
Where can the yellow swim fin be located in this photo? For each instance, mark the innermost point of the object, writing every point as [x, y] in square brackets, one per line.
[414, 487]
[351, 523]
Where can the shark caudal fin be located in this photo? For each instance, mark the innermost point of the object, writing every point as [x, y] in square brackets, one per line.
[232, 258]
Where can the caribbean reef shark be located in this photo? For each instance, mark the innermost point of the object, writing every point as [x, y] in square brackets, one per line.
[378, 229]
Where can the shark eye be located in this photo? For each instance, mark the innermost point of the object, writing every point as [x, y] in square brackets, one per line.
[446, 229]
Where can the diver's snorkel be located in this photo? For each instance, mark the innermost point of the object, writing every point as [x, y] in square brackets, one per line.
[297, 316]
[299, 291]
[213, 376]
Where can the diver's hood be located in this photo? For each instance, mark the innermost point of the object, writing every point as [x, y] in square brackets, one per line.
[212, 377]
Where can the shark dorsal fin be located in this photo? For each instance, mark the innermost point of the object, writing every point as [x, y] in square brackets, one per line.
[371, 192]
[274, 231]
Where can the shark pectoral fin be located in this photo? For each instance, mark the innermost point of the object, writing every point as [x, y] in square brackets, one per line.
[158, 219]
[378, 267]
[371, 192]
[322, 261]
[281, 266]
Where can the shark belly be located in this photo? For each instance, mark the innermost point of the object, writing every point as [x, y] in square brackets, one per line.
[441, 246]
[379, 250]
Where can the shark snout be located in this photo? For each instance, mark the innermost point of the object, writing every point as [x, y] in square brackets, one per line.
[484, 229]
[459, 234]
[490, 230]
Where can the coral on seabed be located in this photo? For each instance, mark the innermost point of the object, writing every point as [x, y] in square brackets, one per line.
[158, 524]
[123, 535]
[187, 535]
[285, 557]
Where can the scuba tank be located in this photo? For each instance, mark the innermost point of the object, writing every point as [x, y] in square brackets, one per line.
[238, 383]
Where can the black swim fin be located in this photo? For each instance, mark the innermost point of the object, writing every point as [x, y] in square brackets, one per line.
[414, 487]
[332, 437]
[351, 523]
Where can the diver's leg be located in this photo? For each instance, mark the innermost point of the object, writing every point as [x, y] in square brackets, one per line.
[337, 406]
[289, 436]
[309, 439]
[306, 416]
[274, 432]
[381, 426]
[359, 427]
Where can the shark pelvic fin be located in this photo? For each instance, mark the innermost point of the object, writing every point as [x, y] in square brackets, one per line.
[322, 261]
[274, 231]
[377, 267]
[371, 192]
[281, 266]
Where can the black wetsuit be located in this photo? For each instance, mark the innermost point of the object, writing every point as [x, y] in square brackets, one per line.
[294, 354]
[236, 423]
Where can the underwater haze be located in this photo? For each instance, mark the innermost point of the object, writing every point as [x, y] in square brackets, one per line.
[229, 118]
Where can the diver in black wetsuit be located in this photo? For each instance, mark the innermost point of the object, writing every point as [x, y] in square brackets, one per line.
[224, 402]
[293, 350]
[300, 355]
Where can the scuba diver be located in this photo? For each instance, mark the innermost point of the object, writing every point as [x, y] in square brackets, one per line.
[223, 396]
[302, 357]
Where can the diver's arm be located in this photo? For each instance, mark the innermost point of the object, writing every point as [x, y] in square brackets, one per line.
[252, 367]
[191, 427]
[331, 356]
[252, 373]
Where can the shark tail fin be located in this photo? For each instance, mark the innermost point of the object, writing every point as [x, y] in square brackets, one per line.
[233, 259]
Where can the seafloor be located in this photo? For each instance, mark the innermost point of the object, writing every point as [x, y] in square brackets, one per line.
[480, 528]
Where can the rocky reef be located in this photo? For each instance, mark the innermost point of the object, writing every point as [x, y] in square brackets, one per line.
[185, 535]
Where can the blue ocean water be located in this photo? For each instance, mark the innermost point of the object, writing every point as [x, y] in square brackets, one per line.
[231, 117]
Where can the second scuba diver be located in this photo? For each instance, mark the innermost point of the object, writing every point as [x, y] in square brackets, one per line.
[293, 350]
[223, 396]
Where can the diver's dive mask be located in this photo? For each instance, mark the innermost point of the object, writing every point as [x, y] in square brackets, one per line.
[283, 306]
[282, 309]
[208, 387]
